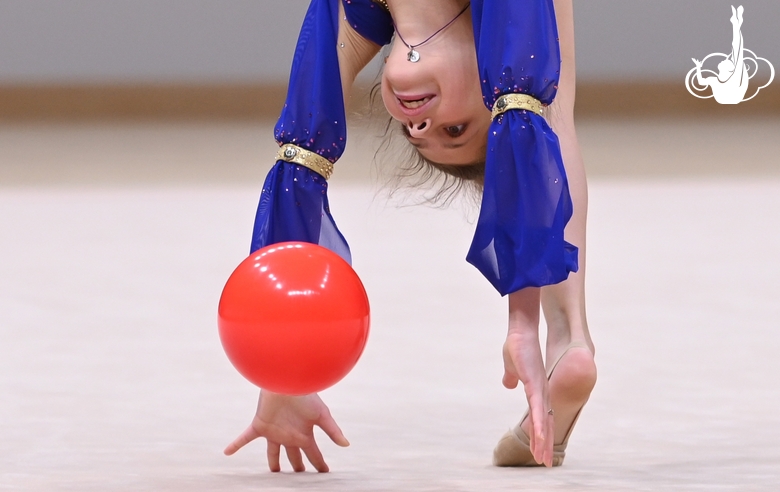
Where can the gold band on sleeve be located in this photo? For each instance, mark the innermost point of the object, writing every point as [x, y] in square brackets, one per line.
[517, 101]
[306, 158]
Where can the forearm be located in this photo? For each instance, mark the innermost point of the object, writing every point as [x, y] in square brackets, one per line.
[522, 351]
[699, 79]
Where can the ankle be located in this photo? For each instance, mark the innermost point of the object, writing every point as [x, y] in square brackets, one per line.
[564, 332]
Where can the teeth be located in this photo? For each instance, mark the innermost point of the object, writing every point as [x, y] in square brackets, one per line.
[415, 104]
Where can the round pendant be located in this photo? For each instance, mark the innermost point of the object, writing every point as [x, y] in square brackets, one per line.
[413, 56]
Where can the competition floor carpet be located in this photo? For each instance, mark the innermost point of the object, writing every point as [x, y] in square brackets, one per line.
[117, 239]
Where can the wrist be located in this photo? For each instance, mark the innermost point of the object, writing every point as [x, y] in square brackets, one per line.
[264, 393]
[524, 311]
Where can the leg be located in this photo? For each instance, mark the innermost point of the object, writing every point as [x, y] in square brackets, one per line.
[736, 38]
[564, 303]
[564, 309]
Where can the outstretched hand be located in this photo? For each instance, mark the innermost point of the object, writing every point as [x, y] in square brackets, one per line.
[523, 362]
[289, 421]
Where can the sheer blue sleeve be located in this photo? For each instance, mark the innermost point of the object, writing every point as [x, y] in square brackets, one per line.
[526, 204]
[294, 201]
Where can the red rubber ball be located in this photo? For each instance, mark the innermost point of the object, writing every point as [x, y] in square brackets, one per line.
[294, 318]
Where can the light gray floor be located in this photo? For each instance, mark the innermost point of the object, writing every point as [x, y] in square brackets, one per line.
[116, 242]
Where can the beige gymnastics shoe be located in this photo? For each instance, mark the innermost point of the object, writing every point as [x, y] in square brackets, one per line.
[514, 449]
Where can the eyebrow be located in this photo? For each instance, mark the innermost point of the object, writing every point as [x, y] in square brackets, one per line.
[424, 145]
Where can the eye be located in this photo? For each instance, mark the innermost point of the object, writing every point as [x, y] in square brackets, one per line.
[455, 130]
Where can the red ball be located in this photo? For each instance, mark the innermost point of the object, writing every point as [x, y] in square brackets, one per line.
[293, 318]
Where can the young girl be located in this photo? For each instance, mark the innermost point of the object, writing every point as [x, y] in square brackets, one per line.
[471, 85]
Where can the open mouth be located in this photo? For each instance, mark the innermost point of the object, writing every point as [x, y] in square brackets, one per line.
[414, 103]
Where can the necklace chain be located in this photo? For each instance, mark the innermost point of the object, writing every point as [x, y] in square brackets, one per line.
[413, 56]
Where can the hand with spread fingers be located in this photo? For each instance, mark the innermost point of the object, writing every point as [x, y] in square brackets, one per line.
[289, 421]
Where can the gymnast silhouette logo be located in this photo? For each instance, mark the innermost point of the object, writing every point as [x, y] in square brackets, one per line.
[730, 84]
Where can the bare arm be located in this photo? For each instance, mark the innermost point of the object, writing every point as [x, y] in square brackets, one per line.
[522, 350]
[354, 53]
[289, 421]
[703, 81]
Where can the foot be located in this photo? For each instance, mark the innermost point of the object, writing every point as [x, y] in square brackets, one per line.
[571, 383]
[736, 16]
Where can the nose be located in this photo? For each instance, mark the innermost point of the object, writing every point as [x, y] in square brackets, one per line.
[417, 130]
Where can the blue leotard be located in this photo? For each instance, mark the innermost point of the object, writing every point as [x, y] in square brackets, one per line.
[518, 240]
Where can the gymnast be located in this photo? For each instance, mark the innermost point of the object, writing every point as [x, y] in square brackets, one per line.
[731, 84]
[484, 92]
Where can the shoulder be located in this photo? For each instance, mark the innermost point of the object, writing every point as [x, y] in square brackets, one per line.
[370, 18]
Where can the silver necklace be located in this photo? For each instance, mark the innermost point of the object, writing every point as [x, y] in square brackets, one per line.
[414, 55]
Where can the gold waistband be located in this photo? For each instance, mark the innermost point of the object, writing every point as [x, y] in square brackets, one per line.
[517, 101]
[306, 158]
